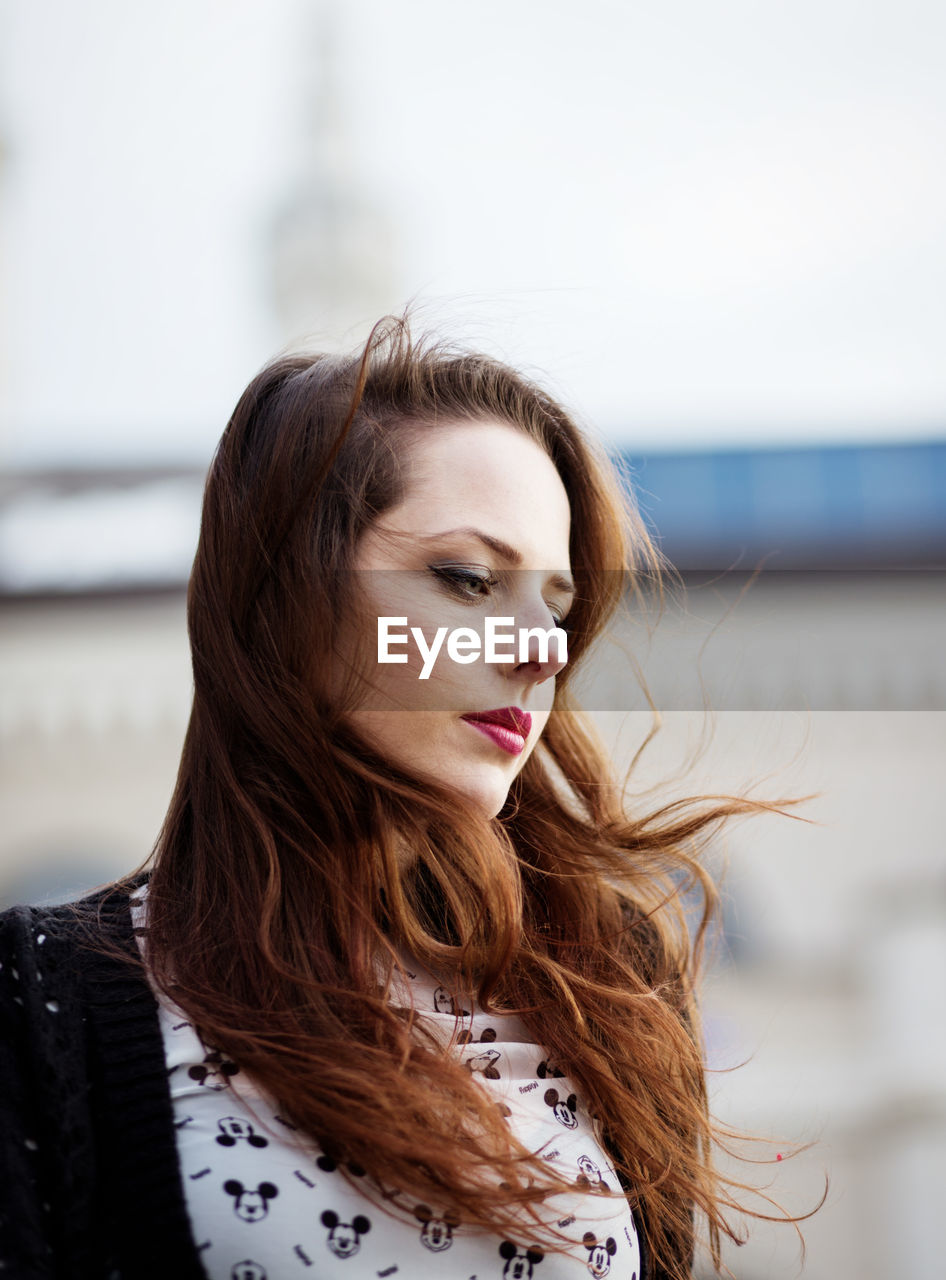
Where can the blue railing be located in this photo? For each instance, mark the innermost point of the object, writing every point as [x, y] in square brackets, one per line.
[858, 506]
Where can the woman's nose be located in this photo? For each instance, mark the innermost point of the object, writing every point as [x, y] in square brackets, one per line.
[541, 644]
[546, 657]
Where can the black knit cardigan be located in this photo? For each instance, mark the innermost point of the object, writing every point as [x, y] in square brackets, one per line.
[90, 1185]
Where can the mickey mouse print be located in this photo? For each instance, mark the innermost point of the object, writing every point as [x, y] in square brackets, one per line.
[267, 1204]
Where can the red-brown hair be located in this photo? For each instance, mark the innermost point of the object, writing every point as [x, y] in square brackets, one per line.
[277, 898]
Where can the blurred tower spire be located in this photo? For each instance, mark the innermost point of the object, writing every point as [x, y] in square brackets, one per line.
[333, 245]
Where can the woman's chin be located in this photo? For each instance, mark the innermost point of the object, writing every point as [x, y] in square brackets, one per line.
[488, 793]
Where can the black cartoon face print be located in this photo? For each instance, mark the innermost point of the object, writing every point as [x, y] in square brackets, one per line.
[436, 1233]
[488, 1036]
[214, 1071]
[564, 1111]
[599, 1255]
[589, 1175]
[519, 1266]
[444, 1002]
[247, 1270]
[250, 1206]
[233, 1131]
[485, 1063]
[344, 1238]
[546, 1069]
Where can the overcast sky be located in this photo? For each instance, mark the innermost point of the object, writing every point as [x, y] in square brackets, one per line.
[699, 223]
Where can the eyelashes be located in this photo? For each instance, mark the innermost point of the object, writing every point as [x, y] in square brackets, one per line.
[473, 584]
[465, 582]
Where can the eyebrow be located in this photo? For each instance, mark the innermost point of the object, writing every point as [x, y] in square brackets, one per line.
[559, 581]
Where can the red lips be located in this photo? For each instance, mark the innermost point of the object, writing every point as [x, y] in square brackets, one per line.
[506, 717]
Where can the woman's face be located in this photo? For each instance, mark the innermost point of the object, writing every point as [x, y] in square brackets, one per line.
[435, 560]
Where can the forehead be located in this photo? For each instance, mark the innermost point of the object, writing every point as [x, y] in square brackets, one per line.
[490, 475]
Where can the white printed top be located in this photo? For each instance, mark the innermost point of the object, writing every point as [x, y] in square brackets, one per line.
[266, 1204]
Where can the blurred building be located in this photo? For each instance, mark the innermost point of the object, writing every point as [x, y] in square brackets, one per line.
[333, 247]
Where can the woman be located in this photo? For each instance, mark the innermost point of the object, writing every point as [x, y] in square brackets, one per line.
[424, 989]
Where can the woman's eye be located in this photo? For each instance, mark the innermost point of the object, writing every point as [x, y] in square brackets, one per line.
[477, 584]
[468, 583]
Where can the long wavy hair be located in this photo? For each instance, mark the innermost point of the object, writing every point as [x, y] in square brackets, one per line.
[278, 904]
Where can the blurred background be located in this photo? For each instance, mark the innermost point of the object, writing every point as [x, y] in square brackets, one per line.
[713, 230]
